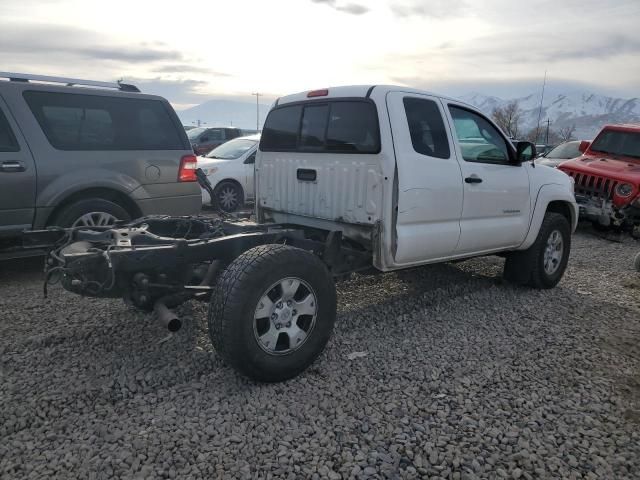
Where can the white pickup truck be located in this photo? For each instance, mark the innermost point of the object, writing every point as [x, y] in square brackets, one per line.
[347, 178]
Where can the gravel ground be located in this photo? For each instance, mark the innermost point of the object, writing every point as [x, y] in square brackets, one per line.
[461, 377]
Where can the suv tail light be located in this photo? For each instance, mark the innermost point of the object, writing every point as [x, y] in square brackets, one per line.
[187, 172]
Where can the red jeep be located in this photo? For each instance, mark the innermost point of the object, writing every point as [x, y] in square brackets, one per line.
[607, 177]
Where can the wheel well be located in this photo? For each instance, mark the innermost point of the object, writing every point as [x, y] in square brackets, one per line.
[105, 193]
[558, 206]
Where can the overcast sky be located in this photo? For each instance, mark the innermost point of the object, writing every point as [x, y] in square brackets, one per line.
[192, 50]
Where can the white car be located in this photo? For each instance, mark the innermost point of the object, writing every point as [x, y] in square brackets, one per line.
[229, 168]
[560, 153]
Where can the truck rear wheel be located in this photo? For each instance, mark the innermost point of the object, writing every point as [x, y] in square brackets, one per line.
[543, 264]
[272, 312]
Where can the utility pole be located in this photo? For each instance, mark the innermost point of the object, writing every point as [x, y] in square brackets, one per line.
[257, 111]
[546, 142]
[544, 83]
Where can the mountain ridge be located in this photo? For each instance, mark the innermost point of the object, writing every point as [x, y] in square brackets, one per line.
[588, 111]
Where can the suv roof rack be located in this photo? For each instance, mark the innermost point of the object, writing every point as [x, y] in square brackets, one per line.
[26, 77]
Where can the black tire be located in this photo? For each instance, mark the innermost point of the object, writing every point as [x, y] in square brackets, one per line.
[241, 289]
[73, 212]
[528, 267]
[228, 196]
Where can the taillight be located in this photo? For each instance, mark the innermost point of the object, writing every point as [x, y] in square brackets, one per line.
[187, 172]
[318, 93]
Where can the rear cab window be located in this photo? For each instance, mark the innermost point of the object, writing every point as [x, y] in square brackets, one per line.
[72, 121]
[426, 127]
[331, 126]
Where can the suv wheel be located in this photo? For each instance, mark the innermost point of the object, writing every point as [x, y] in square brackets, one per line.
[228, 196]
[543, 264]
[272, 312]
[91, 212]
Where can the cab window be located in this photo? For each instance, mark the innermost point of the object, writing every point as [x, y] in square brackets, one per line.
[428, 134]
[479, 140]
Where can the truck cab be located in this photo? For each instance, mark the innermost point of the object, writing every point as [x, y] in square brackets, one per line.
[418, 178]
[607, 177]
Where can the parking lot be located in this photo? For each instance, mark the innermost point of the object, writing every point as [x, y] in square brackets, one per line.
[455, 375]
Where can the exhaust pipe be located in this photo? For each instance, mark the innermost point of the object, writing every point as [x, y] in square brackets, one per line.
[169, 320]
[211, 272]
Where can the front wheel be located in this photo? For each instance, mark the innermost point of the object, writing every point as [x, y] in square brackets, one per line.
[272, 312]
[543, 264]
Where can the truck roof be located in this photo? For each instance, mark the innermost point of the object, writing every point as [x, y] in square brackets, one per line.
[352, 91]
[623, 127]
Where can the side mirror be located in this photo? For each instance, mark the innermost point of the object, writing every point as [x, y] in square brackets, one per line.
[525, 151]
[584, 144]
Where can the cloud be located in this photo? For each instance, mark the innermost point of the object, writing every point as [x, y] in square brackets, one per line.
[43, 40]
[434, 8]
[351, 8]
[526, 48]
[189, 91]
[177, 91]
[126, 54]
[186, 68]
[501, 54]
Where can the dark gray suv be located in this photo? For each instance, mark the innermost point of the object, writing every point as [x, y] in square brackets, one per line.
[88, 153]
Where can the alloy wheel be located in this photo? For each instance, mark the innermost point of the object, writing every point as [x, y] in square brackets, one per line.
[285, 316]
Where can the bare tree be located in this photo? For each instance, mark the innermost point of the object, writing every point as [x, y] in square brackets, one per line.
[566, 133]
[530, 136]
[508, 118]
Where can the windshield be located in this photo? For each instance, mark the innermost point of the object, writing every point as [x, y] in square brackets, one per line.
[565, 151]
[231, 149]
[193, 133]
[617, 143]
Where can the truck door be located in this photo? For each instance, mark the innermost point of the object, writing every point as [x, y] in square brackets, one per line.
[429, 181]
[17, 178]
[496, 208]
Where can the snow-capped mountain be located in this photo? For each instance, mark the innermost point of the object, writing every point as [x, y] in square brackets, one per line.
[587, 111]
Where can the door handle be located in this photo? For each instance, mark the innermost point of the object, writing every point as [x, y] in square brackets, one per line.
[12, 166]
[473, 179]
[306, 174]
